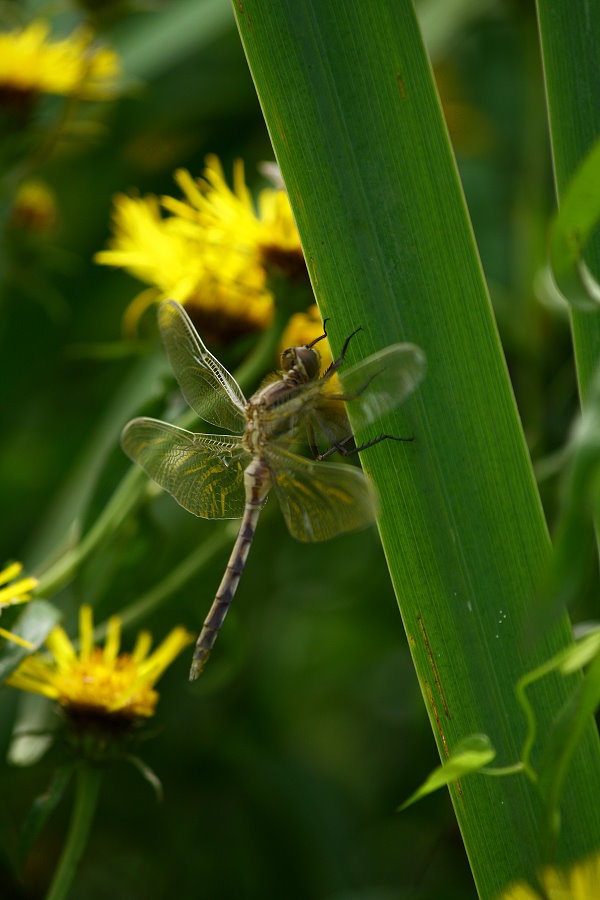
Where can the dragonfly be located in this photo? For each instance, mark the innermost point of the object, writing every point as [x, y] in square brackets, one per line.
[229, 475]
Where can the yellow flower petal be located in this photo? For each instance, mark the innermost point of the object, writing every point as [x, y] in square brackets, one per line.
[60, 647]
[10, 636]
[210, 250]
[113, 640]
[137, 308]
[24, 682]
[189, 188]
[142, 646]
[100, 680]
[10, 572]
[580, 882]
[30, 62]
[86, 632]
[153, 667]
[17, 591]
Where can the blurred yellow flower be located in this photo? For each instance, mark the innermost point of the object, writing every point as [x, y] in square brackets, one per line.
[304, 327]
[34, 207]
[580, 882]
[97, 681]
[224, 292]
[211, 251]
[13, 592]
[227, 217]
[31, 63]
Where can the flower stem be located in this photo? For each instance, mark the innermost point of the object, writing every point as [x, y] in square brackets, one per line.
[126, 496]
[143, 606]
[86, 797]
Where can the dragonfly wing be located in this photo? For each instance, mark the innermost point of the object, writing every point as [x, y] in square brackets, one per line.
[319, 500]
[329, 420]
[208, 387]
[380, 383]
[203, 472]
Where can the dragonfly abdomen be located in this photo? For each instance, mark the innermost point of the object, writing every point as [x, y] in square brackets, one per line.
[257, 480]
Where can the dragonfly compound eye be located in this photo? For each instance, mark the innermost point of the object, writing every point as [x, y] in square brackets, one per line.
[309, 361]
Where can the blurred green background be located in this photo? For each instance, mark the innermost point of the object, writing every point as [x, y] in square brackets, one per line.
[283, 766]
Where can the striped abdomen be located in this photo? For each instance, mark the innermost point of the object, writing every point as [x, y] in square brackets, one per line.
[257, 481]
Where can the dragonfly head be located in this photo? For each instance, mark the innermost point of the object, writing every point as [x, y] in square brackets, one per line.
[305, 360]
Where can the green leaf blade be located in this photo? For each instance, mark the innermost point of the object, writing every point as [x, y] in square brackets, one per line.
[365, 155]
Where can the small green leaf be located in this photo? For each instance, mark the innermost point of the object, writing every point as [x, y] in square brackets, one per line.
[575, 222]
[34, 731]
[41, 809]
[34, 625]
[573, 539]
[471, 755]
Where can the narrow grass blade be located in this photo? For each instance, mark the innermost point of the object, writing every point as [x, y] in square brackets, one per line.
[572, 228]
[570, 37]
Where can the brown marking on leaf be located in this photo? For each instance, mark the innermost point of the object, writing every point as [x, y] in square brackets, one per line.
[434, 668]
[280, 130]
[250, 22]
[241, 6]
[438, 722]
[401, 85]
[411, 640]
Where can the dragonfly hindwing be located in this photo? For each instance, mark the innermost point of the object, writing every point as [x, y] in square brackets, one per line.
[203, 472]
[319, 500]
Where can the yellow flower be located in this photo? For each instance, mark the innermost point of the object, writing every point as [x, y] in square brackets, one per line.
[580, 882]
[97, 681]
[301, 329]
[227, 217]
[30, 63]
[12, 594]
[34, 207]
[212, 251]
[223, 291]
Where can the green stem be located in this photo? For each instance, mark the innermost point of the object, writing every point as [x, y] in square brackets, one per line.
[146, 604]
[126, 496]
[500, 771]
[133, 485]
[86, 798]
[520, 690]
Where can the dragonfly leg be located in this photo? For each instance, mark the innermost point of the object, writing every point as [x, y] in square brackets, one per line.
[338, 362]
[344, 451]
[321, 336]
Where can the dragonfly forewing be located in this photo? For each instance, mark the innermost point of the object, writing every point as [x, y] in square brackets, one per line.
[319, 500]
[203, 472]
[211, 391]
[381, 383]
